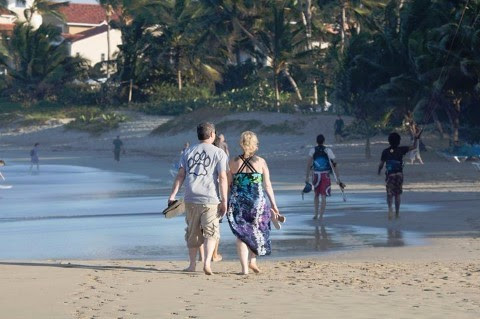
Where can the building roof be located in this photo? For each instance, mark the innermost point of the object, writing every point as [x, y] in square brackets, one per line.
[83, 13]
[5, 11]
[6, 27]
[86, 34]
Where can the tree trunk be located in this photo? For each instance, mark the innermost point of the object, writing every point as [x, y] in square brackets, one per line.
[457, 104]
[130, 91]
[179, 80]
[293, 83]
[399, 19]
[277, 92]
[307, 22]
[343, 20]
[108, 49]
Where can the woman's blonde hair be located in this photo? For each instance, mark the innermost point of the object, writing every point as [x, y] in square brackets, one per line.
[249, 143]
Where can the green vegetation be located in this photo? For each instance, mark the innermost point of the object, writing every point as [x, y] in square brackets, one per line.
[95, 122]
[375, 60]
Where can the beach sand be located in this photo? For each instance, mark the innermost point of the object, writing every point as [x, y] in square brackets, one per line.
[438, 279]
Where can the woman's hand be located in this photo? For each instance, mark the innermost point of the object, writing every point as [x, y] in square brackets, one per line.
[275, 210]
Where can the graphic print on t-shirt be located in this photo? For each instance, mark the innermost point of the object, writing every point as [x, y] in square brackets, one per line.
[198, 164]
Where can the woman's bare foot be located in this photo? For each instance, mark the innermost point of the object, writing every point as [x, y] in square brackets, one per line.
[218, 257]
[254, 267]
[190, 269]
[207, 270]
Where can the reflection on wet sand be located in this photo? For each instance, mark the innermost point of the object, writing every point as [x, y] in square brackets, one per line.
[321, 238]
[394, 237]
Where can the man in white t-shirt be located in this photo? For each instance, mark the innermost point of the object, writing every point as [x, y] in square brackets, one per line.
[203, 168]
[321, 161]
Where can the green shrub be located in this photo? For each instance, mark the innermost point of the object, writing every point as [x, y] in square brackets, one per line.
[78, 94]
[259, 97]
[96, 122]
[169, 92]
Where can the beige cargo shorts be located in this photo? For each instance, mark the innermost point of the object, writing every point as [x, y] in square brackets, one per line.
[202, 222]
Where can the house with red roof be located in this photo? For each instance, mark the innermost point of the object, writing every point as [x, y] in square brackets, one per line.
[13, 11]
[92, 44]
[79, 17]
[85, 28]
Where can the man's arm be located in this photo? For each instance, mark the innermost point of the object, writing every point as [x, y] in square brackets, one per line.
[223, 185]
[380, 167]
[309, 168]
[177, 184]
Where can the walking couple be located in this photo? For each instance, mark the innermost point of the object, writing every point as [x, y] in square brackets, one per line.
[207, 175]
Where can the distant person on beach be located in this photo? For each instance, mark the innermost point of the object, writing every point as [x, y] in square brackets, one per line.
[321, 161]
[34, 159]
[249, 214]
[176, 163]
[415, 154]
[203, 168]
[185, 147]
[338, 129]
[2, 163]
[223, 144]
[392, 157]
[117, 148]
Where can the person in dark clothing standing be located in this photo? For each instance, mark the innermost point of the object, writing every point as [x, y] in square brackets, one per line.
[338, 127]
[117, 148]
[392, 158]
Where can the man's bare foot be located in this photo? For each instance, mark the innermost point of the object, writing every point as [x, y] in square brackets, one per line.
[217, 258]
[207, 270]
[255, 268]
[189, 269]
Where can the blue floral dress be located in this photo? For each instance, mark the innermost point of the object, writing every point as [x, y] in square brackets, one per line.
[248, 210]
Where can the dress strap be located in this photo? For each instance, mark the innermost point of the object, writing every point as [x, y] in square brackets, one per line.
[246, 163]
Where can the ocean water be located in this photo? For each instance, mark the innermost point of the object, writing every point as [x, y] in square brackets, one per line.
[71, 212]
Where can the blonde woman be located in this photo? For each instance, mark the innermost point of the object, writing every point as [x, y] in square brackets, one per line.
[249, 214]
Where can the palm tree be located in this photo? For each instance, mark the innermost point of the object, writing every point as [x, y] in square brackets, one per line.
[38, 62]
[276, 40]
[45, 7]
[133, 18]
[188, 43]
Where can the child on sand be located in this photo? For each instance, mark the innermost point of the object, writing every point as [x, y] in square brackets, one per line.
[393, 158]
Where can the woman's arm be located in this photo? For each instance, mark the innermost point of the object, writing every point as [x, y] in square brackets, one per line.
[268, 186]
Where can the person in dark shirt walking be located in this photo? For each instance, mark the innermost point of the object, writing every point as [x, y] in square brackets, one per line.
[338, 128]
[392, 158]
[117, 148]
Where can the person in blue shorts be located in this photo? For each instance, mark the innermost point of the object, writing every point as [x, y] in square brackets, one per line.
[392, 158]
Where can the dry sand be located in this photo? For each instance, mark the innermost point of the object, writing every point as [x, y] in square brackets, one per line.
[440, 279]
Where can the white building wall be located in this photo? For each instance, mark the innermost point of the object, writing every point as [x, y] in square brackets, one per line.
[93, 47]
[19, 9]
